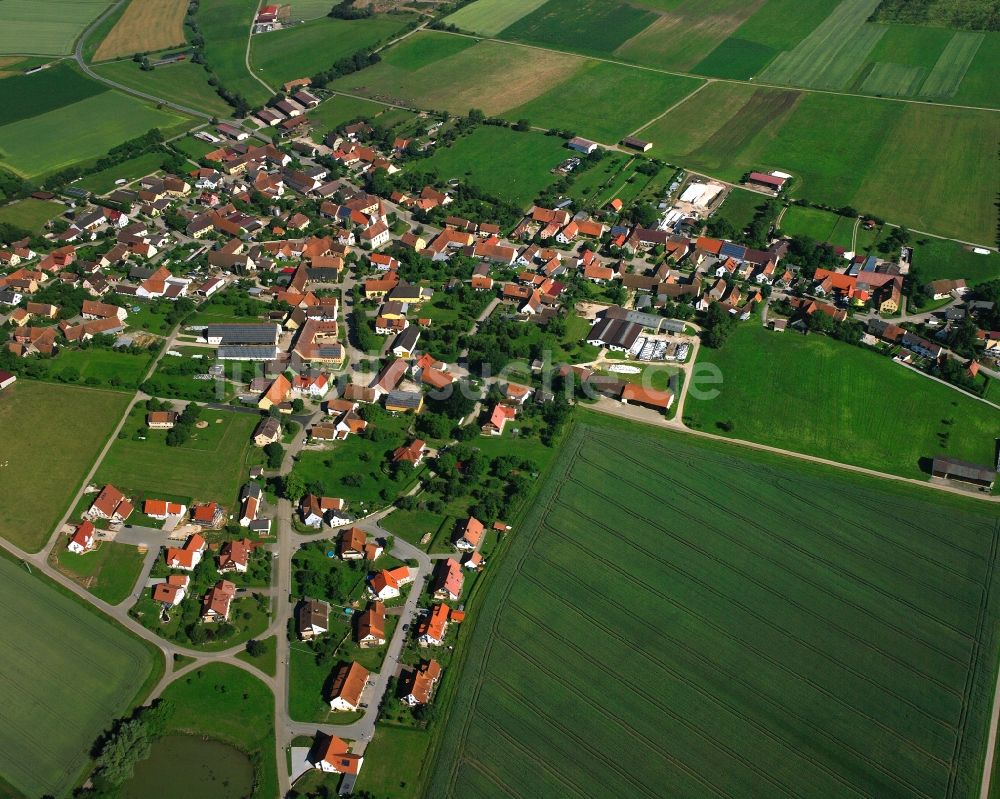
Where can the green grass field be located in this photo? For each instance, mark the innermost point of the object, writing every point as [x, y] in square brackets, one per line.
[581, 26]
[48, 28]
[104, 181]
[212, 465]
[489, 17]
[225, 24]
[740, 207]
[723, 623]
[30, 214]
[185, 84]
[102, 365]
[304, 50]
[36, 424]
[230, 704]
[950, 69]
[109, 572]
[519, 176]
[52, 88]
[67, 673]
[846, 150]
[393, 760]
[572, 105]
[979, 86]
[938, 259]
[822, 397]
[39, 145]
[339, 110]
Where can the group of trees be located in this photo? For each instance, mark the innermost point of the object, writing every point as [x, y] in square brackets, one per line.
[181, 431]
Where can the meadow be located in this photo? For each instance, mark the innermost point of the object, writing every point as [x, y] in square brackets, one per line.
[822, 397]
[759, 640]
[451, 73]
[48, 28]
[104, 181]
[304, 50]
[229, 704]
[489, 17]
[97, 366]
[183, 83]
[211, 465]
[846, 150]
[518, 177]
[339, 110]
[40, 145]
[740, 207]
[225, 24]
[30, 214]
[577, 103]
[940, 259]
[146, 26]
[50, 720]
[587, 26]
[48, 90]
[392, 760]
[35, 425]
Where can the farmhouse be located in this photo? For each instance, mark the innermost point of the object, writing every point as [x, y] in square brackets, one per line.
[633, 394]
[250, 342]
[636, 143]
[619, 335]
[348, 684]
[313, 619]
[582, 145]
[161, 420]
[773, 182]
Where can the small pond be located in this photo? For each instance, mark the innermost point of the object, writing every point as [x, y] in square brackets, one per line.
[188, 767]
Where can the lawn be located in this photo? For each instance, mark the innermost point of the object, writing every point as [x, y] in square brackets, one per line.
[939, 259]
[751, 636]
[846, 150]
[51, 722]
[48, 28]
[268, 662]
[230, 704]
[392, 760]
[39, 145]
[37, 424]
[826, 398]
[109, 572]
[104, 181]
[47, 90]
[523, 172]
[211, 465]
[339, 110]
[193, 148]
[740, 207]
[225, 24]
[413, 525]
[183, 83]
[634, 94]
[304, 50]
[441, 72]
[30, 214]
[102, 365]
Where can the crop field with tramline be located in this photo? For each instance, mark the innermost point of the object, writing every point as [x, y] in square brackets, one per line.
[728, 623]
[67, 672]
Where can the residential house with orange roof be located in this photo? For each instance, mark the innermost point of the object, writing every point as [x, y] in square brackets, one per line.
[172, 591]
[448, 579]
[83, 538]
[217, 602]
[420, 683]
[348, 685]
[434, 626]
[332, 755]
[469, 534]
[369, 628]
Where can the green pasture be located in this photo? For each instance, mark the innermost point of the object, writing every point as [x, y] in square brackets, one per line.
[183, 83]
[30, 214]
[49, 28]
[489, 17]
[52, 88]
[225, 24]
[599, 26]
[109, 572]
[104, 181]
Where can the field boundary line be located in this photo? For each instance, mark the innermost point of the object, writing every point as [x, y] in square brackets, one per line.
[749, 82]
[705, 82]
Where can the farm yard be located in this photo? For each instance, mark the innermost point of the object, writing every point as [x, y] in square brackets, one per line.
[211, 465]
[839, 402]
[518, 178]
[845, 151]
[39, 145]
[48, 28]
[700, 651]
[304, 50]
[50, 721]
[145, 27]
[36, 424]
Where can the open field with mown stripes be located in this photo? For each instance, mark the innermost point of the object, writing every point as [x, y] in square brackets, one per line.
[726, 623]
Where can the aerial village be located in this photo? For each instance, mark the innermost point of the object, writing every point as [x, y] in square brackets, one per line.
[332, 301]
